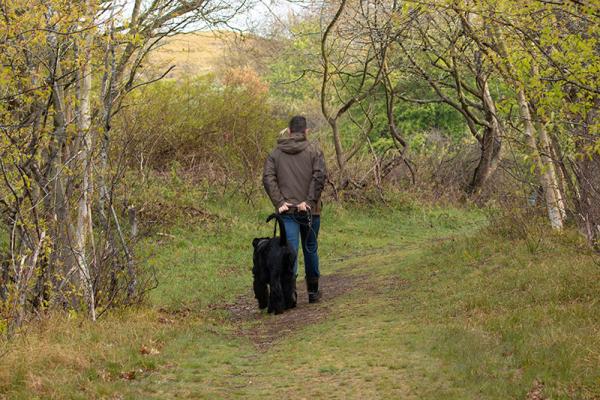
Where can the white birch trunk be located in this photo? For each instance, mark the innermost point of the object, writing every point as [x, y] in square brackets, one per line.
[549, 164]
[85, 157]
[554, 213]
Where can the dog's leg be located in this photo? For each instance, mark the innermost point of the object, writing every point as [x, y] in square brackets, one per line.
[261, 289]
[261, 292]
[276, 302]
[288, 285]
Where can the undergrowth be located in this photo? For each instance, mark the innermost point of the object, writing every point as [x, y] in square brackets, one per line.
[478, 312]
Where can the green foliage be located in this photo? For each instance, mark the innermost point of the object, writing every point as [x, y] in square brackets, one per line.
[560, 72]
[291, 73]
[219, 128]
[432, 116]
[413, 118]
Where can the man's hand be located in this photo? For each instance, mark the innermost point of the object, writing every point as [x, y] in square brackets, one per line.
[304, 207]
[284, 207]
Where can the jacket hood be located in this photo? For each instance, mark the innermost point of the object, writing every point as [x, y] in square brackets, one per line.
[293, 144]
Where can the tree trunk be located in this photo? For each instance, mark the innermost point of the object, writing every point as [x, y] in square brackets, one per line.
[587, 172]
[339, 151]
[26, 271]
[549, 163]
[85, 158]
[544, 173]
[332, 120]
[491, 143]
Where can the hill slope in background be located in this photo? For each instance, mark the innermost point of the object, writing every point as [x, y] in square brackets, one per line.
[192, 53]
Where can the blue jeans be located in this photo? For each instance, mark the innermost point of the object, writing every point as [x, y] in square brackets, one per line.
[297, 224]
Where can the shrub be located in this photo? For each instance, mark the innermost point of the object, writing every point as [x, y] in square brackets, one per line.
[218, 130]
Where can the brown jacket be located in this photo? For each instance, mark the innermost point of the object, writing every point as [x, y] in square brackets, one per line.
[295, 172]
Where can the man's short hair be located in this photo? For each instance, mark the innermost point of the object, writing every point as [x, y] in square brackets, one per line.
[297, 124]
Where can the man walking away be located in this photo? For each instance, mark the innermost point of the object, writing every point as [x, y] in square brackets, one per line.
[294, 177]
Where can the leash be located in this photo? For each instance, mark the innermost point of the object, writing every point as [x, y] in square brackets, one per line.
[309, 218]
[309, 231]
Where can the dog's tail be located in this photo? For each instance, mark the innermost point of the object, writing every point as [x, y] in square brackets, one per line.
[282, 235]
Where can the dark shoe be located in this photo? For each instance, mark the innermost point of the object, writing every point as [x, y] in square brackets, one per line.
[314, 297]
[312, 287]
[294, 299]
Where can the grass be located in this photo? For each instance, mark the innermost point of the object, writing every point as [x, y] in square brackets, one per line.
[455, 312]
[192, 53]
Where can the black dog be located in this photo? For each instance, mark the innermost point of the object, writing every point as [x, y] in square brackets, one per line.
[274, 280]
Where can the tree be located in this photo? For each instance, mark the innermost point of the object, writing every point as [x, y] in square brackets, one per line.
[67, 247]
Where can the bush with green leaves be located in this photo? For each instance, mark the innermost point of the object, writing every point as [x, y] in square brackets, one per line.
[216, 129]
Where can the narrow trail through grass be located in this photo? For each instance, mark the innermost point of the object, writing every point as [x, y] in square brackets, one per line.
[419, 304]
[351, 345]
[334, 349]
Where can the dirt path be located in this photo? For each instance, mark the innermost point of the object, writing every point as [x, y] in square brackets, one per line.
[264, 329]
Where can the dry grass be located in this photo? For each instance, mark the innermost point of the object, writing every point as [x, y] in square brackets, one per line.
[191, 53]
[61, 355]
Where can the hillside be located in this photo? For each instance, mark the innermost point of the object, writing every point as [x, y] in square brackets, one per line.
[192, 53]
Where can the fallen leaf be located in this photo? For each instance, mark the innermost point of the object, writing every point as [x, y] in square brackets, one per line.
[128, 375]
[536, 391]
[164, 320]
[149, 351]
